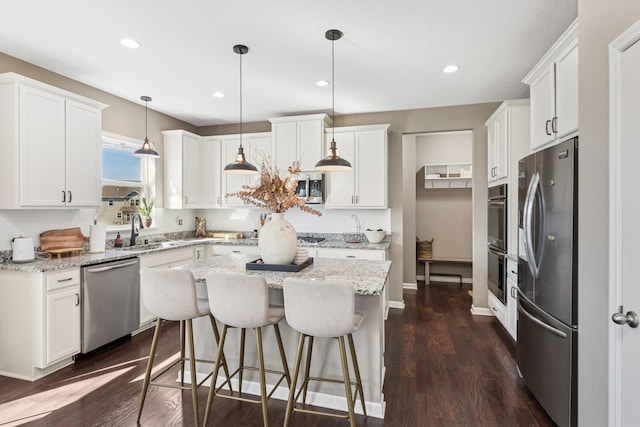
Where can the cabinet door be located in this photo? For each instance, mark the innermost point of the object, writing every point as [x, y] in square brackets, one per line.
[83, 127]
[370, 169]
[62, 324]
[491, 151]
[42, 148]
[211, 172]
[340, 185]
[259, 149]
[542, 108]
[192, 183]
[567, 92]
[310, 136]
[285, 146]
[501, 145]
[512, 310]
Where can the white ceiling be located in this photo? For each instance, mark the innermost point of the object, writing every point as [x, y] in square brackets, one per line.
[390, 58]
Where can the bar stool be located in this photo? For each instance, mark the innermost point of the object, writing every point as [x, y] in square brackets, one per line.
[171, 295]
[319, 308]
[241, 301]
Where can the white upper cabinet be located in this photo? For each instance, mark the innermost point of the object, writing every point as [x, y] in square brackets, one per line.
[212, 171]
[298, 139]
[257, 148]
[364, 186]
[497, 145]
[50, 140]
[507, 131]
[554, 91]
[183, 164]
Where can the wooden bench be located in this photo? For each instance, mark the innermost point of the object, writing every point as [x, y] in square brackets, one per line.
[428, 261]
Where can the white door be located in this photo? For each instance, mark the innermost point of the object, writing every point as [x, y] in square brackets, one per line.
[624, 228]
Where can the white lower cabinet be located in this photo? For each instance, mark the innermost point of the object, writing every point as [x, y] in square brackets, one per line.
[512, 298]
[351, 253]
[165, 259]
[497, 308]
[62, 314]
[39, 322]
[507, 314]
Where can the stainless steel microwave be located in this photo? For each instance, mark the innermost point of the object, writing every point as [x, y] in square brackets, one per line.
[311, 187]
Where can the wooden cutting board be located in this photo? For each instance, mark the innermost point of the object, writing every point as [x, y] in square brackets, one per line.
[68, 239]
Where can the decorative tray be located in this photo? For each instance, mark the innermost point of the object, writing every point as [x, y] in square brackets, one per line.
[255, 265]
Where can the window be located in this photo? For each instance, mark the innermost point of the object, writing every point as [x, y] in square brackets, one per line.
[125, 180]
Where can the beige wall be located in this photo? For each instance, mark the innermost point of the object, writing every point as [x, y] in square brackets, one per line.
[600, 24]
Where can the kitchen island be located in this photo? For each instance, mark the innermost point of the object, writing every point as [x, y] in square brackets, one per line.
[369, 279]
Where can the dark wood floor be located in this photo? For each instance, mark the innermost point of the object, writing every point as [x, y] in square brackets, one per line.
[444, 368]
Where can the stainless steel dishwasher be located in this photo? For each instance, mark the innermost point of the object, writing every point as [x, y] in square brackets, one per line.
[110, 302]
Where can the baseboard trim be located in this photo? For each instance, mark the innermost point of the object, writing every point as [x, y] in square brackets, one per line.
[397, 304]
[339, 403]
[410, 286]
[481, 311]
[449, 279]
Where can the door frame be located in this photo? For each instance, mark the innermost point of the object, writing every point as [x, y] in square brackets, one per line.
[616, 51]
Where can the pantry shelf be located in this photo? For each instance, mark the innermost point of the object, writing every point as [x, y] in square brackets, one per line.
[449, 175]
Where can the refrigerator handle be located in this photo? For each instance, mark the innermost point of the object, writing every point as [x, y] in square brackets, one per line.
[541, 323]
[528, 232]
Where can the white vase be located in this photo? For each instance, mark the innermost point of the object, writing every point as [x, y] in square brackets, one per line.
[278, 240]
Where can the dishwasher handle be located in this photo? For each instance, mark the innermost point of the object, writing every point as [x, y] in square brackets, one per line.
[111, 267]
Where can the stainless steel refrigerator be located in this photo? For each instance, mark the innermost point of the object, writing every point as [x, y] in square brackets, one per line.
[546, 351]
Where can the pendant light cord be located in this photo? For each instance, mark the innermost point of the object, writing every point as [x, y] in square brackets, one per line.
[333, 91]
[145, 121]
[241, 99]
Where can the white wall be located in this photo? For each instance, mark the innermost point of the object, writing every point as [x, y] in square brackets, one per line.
[331, 221]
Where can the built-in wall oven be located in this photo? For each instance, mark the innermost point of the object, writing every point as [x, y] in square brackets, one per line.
[497, 240]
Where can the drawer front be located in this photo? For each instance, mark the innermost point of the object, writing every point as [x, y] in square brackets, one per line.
[351, 253]
[62, 279]
[512, 270]
[171, 257]
[235, 249]
[498, 309]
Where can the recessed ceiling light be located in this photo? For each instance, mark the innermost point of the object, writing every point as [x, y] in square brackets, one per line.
[450, 69]
[217, 95]
[130, 43]
[322, 83]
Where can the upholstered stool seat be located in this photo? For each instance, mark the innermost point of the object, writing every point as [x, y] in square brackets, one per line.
[242, 301]
[319, 308]
[171, 295]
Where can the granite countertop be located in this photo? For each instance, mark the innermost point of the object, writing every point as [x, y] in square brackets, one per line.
[113, 254]
[368, 277]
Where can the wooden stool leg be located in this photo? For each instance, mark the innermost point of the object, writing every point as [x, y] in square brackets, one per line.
[243, 333]
[182, 341]
[356, 368]
[263, 384]
[307, 368]
[192, 365]
[283, 356]
[216, 334]
[294, 380]
[212, 389]
[147, 375]
[347, 382]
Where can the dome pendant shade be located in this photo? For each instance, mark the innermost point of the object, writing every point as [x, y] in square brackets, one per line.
[146, 150]
[333, 162]
[240, 164]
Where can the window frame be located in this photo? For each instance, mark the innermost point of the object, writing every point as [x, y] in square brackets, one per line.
[147, 171]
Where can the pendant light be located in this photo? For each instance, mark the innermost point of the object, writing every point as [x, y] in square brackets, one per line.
[240, 164]
[146, 150]
[333, 162]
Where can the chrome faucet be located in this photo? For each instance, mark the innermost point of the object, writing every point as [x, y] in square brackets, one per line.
[357, 220]
[135, 230]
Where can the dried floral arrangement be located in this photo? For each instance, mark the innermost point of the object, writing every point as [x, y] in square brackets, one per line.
[274, 192]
